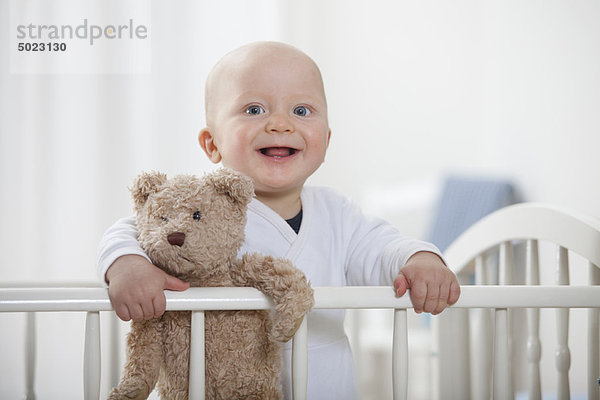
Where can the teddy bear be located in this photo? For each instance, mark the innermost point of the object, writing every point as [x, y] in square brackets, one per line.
[193, 227]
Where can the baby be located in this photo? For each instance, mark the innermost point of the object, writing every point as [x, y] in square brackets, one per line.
[266, 116]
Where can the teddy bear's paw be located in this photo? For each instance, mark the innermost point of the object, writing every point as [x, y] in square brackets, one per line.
[129, 392]
[288, 315]
[283, 332]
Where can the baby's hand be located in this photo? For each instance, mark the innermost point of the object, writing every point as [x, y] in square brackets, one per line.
[135, 288]
[433, 286]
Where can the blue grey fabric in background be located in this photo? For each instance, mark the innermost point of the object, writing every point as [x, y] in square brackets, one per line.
[464, 201]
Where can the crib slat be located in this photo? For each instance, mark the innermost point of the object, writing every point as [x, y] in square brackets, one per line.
[593, 356]
[563, 354]
[197, 388]
[480, 271]
[534, 346]
[400, 355]
[504, 330]
[300, 362]
[482, 339]
[452, 373]
[114, 367]
[502, 376]
[506, 263]
[30, 355]
[91, 357]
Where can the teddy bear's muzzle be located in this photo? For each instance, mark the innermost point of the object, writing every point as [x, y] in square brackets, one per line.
[176, 238]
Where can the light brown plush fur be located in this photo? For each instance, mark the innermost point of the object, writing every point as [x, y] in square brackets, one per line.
[208, 216]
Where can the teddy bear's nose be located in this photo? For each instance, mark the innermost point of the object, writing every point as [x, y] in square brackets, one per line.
[176, 238]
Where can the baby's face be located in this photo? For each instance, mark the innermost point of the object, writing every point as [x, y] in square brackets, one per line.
[268, 119]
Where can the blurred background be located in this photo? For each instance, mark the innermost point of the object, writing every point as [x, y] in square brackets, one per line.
[494, 91]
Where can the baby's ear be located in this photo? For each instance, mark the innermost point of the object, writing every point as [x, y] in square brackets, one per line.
[144, 185]
[238, 187]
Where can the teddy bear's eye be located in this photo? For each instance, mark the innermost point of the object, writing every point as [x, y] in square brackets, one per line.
[196, 216]
[164, 219]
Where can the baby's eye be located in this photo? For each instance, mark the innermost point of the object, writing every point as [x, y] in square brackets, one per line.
[197, 216]
[254, 110]
[164, 219]
[302, 111]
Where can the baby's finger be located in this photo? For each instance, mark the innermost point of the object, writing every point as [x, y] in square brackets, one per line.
[443, 299]
[454, 292]
[431, 300]
[418, 294]
[160, 304]
[122, 312]
[400, 284]
[173, 283]
[148, 309]
[136, 312]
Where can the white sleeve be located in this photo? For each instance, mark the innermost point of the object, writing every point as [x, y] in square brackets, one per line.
[376, 249]
[118, 240]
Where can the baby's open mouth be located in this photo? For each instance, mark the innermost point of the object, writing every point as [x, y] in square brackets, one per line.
[278, 152]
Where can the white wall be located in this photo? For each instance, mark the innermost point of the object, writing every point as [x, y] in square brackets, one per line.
[421, 89]
[416, 90]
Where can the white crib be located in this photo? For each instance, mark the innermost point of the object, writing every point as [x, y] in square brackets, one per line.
[484, 367]
[491, 372]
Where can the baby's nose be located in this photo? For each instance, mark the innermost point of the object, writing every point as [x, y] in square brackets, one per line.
[176, 238]
[279, 123]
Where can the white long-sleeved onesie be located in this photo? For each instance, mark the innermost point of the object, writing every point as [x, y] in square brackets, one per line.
[337, 245]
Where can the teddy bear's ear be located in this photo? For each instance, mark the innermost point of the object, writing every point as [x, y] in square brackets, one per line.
[144, 185]
[233, 184]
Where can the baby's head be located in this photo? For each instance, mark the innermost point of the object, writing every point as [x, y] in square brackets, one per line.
[266, 116]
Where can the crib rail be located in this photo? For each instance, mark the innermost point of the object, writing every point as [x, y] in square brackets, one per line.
[94, 300]
[350, 297]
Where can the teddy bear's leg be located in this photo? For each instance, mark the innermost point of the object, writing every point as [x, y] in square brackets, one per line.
[144, 355]
[273, 394]
[285, 284]
[242, 363]
[173, 383]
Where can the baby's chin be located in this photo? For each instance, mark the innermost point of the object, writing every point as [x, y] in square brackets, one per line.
[277, 188]
[274, 189]
[274, 181]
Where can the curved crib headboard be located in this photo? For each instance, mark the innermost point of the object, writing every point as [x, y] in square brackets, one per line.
[481, 366]
[565, 228]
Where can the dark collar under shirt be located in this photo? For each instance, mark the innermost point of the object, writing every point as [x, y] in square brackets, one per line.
[295, 222]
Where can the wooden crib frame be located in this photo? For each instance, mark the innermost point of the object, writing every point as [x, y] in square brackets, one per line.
[499, 298]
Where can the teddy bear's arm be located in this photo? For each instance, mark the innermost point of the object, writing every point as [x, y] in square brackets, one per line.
[284, 283]
[144, 356]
